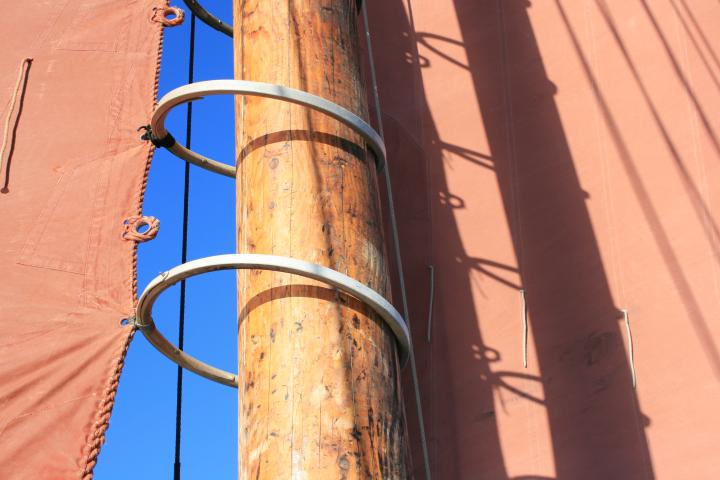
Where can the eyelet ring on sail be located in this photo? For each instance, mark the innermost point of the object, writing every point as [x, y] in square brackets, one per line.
[133, 225]
[248, 261]
[196, 91]
[168, 16]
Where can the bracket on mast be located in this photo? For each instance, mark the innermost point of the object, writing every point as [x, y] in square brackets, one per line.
[196, 91]
[249, 261]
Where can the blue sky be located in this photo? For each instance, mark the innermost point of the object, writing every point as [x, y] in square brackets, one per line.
[141, 437]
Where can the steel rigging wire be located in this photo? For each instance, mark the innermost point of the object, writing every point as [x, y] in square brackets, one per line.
[186, 198]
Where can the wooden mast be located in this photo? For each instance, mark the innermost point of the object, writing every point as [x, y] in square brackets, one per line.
[319, 396]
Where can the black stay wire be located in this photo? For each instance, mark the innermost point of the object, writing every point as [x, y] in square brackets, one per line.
[186, 197]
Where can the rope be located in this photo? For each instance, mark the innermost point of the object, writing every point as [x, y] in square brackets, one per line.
[626, 316]
[186, 198]
[396, 245]
[100, 426]
[102, 417]
[524, 327]
[431, 306]
[17, 91]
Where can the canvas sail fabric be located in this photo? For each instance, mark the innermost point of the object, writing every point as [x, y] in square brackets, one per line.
[74, 169]
[570, 149]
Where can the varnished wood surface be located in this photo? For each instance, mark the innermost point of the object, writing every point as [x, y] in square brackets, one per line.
[318, 394]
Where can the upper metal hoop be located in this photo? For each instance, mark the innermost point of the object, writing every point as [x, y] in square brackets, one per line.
[144, 321]
[214, 22]
[196, 91]
[210, 19]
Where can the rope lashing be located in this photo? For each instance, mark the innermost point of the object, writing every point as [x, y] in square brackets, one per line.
[18, 91]
[165, 142]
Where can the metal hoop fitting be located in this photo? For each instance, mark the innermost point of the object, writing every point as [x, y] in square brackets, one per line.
[196, 91]
[208, 18]
[245, 261]
[214, 22]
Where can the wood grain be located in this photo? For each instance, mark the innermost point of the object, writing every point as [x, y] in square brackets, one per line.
[318, 395]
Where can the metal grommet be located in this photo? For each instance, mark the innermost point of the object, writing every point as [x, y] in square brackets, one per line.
[196, 91]
[168, 16]
[247, 261]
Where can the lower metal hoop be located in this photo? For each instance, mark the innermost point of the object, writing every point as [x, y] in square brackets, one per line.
[248, 261]
[196, 91]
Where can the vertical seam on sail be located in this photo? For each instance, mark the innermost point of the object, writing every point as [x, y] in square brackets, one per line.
[510, 136]
[514, 171]
[97, 437]
[703, 190]
[615, 260]
[615, 253]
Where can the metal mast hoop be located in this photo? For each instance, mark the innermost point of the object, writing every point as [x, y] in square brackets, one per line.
[250, 261]
[208, 18]
[196, 91]
[214, 22]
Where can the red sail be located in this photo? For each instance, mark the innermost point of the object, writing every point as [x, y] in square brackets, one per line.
[73, 169]
[554, 161]
[570, 149]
